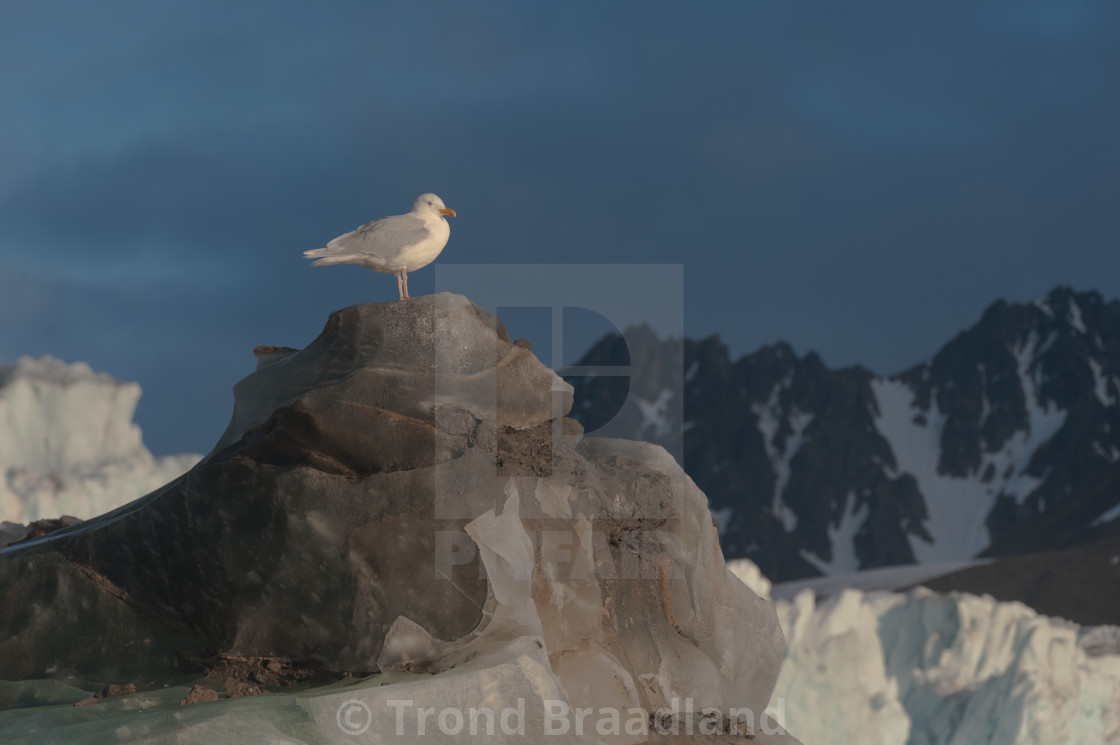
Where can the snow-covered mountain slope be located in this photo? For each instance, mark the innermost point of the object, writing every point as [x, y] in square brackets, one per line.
[921, 668]
[68, 445]
[817, 471]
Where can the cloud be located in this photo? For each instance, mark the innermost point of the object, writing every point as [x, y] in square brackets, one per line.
[821, 170]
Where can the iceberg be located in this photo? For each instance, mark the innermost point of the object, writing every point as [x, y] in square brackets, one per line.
[921, 668]
[68, 444]
[403, 511]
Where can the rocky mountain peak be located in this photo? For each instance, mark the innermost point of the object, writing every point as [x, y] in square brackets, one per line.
[812, 470]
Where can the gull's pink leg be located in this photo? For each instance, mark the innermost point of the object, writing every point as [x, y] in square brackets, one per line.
[404, 273]
[400, 286]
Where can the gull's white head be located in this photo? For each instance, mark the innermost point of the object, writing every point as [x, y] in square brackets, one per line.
[430, 203]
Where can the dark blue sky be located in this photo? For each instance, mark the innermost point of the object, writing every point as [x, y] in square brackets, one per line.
[857, 178]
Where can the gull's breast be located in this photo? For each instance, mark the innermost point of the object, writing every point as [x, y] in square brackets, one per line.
[424, 252]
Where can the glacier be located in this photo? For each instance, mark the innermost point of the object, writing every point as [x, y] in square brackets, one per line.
[920, 668]
[69, 445]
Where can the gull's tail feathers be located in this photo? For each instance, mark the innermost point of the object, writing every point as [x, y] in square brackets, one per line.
[327, 256]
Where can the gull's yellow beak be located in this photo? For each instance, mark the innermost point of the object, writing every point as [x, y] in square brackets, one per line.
[448, 211]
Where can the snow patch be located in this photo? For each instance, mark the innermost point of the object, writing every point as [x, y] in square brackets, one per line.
[1042, 302]
[1044, 348]
[1111, 455]
[1042, 423]
[842, 539]
[1107, 516]
[1073, 317]
[1100, 384]
[958, 506]
[769, 423]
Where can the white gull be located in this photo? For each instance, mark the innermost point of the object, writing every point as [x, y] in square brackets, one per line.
[393, 245]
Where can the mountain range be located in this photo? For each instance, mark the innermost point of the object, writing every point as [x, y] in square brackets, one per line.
[811, 470]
